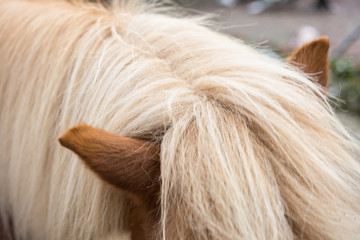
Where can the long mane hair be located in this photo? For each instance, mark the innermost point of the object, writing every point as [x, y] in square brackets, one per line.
[250, 147]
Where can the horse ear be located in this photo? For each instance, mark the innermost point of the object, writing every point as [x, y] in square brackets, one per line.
[132, 165]
[313, 59]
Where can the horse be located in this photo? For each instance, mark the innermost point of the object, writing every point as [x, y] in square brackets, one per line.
[128, 120]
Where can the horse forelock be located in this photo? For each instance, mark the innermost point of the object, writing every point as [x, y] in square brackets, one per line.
[250, 148]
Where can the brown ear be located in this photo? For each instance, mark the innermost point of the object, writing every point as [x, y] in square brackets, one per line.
[312, 58]
[129, 164]
[132, 165]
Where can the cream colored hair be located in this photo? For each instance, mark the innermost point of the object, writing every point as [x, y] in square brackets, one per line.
[250, 147]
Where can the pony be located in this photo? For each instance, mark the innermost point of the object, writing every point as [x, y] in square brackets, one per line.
[167, 130]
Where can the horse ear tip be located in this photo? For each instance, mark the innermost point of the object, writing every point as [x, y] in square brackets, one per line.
[66, 138]
[323, 41]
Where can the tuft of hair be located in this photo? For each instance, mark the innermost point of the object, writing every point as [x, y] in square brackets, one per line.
[250, 147]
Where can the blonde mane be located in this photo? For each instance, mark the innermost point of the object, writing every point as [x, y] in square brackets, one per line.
[250, 147]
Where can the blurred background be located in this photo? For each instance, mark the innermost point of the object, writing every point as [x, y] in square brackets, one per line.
[279, 26]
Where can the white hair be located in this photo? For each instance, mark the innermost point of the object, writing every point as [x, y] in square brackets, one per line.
[250, 147]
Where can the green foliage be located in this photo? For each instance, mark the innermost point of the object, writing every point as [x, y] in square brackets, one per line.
[345, 83]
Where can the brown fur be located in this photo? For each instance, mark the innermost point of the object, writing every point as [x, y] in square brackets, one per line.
[312, 58]
[131, 165]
